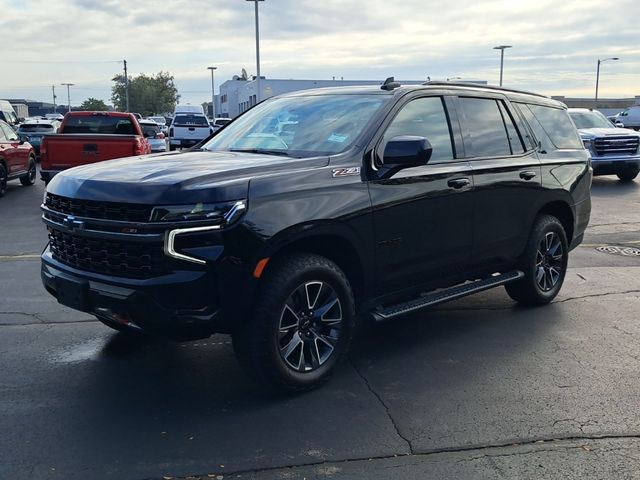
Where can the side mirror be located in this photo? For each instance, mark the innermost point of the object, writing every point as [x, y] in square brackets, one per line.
[619, 125]
[407, 151]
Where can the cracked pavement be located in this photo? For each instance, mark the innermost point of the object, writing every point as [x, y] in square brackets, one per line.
[478, 388]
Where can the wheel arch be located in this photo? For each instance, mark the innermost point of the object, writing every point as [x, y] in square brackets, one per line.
[563, 212]
[336, 246]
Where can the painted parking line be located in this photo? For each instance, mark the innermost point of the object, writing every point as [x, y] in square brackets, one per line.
[29, 256]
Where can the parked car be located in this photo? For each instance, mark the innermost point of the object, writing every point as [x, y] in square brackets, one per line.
[7, 114]
[32, 131]
[629, 118]
[151, 131]
[614, 151]
[188, 129]
[218, 123]
[17, 159]
[385, 201]
[162, 122]
[90, 137]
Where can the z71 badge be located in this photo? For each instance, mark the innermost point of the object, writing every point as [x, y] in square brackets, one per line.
[345, 172]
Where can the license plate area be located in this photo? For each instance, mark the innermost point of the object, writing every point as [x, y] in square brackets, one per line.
[73, 294]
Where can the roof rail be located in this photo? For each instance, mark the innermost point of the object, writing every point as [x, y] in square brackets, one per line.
[390, 84]
[489, 87]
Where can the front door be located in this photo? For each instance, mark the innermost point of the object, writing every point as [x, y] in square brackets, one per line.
[422, 215]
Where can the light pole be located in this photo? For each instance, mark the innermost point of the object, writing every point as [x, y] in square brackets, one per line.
[213, 95]
[68, 94]
[258, 94]
[598, 76]
[502, 49]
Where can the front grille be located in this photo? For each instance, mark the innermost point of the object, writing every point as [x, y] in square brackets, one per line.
[100, 210]
[108, 257]
[618, 145]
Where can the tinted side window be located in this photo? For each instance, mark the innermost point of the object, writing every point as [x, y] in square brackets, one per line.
[486, 127]
[423, 117]
[515, 140]
[545, 142]
[558, 126]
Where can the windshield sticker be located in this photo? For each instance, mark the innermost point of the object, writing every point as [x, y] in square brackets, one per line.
[337, 138]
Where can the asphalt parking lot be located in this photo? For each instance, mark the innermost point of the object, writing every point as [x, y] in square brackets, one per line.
[476, 389]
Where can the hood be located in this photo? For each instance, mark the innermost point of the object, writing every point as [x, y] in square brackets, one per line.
[173, 178]
[590, 133]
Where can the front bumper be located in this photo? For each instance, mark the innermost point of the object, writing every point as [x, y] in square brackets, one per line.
[182, 305]
[610, 165]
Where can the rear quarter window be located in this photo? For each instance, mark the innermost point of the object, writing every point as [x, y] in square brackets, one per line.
[558, 126]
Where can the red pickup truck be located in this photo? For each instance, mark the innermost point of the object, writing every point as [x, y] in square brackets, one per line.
[89, 137]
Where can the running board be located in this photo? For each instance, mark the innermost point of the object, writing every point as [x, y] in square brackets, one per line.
[441, 296]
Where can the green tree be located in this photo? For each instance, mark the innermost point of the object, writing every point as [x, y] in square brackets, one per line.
[93, 104]
[148, 95]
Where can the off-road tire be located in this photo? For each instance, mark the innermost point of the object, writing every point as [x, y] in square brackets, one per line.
[257, 343]
[528, 290]
[30, 178]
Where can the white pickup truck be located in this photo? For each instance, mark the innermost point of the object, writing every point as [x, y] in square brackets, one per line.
[187, 129]
[629, 118]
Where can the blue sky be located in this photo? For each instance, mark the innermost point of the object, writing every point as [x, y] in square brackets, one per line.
[555, 44]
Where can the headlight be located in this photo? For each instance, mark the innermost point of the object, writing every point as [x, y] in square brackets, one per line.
[225, 212]
[586, 143]
[192, 244]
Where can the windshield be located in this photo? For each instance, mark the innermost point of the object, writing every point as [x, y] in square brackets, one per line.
[300, 126]
[158, 120]
[35, 127]
[590, 120]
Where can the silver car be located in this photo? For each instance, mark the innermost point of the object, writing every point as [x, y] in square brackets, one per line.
[153, 134]
[162, 123]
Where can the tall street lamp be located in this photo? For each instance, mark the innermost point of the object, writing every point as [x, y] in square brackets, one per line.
[258, 94]
[68, 93]
[213, 95]
[502, 49]
[598, 75]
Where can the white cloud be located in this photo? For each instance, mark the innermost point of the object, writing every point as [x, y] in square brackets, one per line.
[556, 45]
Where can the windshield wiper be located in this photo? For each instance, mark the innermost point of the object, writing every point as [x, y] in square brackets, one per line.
[262, 151]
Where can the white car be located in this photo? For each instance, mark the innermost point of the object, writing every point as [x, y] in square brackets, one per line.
[218, 123]
[151, 131]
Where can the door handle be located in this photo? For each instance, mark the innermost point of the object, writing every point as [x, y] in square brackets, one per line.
[458, 182]
[527, 175]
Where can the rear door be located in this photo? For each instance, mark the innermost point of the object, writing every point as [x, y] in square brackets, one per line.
[423, 215]
[506, 173]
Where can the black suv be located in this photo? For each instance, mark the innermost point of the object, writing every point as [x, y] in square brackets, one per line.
[319, 207]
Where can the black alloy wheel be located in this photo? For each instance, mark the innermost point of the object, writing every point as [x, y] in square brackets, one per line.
[310, 325]
[30, 177]
[544, 263]
[3, 180]
[549, 261]
[301, 325]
